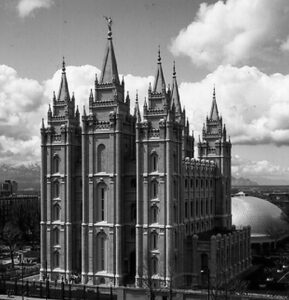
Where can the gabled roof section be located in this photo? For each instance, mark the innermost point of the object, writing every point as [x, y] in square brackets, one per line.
[109, 72]
[214, 115]
[175, 97]
[63, 94]
[160, 83]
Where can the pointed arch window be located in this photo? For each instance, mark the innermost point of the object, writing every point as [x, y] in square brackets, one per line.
[154, 189]
[154, 162]
[101, 202]
[101, 251]
[155, 266]
[56, 212]
[101, 158]
[56, 236]
[154, 241]
[154, 214]
[56, 189]
[56, 261]
[55, 164]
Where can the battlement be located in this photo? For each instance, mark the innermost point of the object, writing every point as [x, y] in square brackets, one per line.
[202, 166]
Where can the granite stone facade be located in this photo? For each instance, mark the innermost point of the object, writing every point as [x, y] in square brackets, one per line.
[123, 200]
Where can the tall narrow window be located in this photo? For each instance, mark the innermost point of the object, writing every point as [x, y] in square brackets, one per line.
[154, 214]
[56, 259]
[154, 162]
[56, 189]
[154, 265]
[186, 209]
[154, 241]
[55, 164]
[101, 158]
[56, 236]
[154, 189]
[56, 212]
[102, 193]
[101, 245]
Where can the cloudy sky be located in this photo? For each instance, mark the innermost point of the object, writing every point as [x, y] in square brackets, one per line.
[240, 46]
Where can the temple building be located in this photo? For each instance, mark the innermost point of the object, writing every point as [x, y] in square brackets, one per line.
[124, 201]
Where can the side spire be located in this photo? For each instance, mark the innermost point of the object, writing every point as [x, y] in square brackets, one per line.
[159, 84]
[109, 72]
[175, 97]
[63, 94]
[214, 115]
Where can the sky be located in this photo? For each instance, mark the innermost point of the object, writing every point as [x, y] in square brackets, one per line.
[241, 47]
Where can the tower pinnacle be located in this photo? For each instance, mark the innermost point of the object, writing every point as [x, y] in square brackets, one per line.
[214, 115]
[63, 94]
[109, 70]
[159, 84]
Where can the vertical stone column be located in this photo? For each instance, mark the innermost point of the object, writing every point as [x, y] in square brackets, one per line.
[68, 203]
[43, 203]
[118, 202]
[168, 205]
[84, 225]
[139, 219]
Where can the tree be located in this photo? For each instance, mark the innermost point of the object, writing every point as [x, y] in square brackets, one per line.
[12, 238]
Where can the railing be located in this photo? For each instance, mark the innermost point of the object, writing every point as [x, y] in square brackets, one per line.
[54, 290]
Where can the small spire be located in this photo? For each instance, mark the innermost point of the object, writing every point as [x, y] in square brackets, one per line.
[109, 23]
[174, 69]
[145, 102]
[49, 108]
[63, 64]
[84, 111]
[159, 83]
[72, 98]
[96, 79]
[54, 96]
[214, 115]
[77, 110]
[122, 80]
[136, 96]
[127, 99]
[150, 86]
[159, 55]
[91, 95]
[43, 123]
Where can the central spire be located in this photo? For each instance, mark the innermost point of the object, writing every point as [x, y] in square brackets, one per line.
[160, 80]
[109, 70]
[63, 94]
[214, 115]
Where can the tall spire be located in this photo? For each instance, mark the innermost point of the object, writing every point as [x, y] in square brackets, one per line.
[109, 70]
[175, 97]
[63, 94]
[159, 84]
[214, 115]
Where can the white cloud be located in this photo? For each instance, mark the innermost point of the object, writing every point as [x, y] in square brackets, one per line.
[254, 106]
[27, 7]
[262, 171]
[235, 32]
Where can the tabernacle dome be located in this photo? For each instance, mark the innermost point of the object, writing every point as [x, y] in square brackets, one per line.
[266, 219]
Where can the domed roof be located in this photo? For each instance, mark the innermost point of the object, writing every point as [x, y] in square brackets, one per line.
[265, 218]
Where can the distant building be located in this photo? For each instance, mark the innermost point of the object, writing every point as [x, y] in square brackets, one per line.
[123, 200]
[14, 205]
[8, 187]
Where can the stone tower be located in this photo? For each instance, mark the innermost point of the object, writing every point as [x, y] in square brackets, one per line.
[108, 132]
[215, 146]
[61, 186]
[158, 174]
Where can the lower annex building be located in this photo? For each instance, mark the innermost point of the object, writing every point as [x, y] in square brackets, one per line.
[123, 200]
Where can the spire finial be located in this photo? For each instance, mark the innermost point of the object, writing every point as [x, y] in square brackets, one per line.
[159, 54]
[214, 92]
[136, 96]
[174, 69]
[63, 64]
[109, 23]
